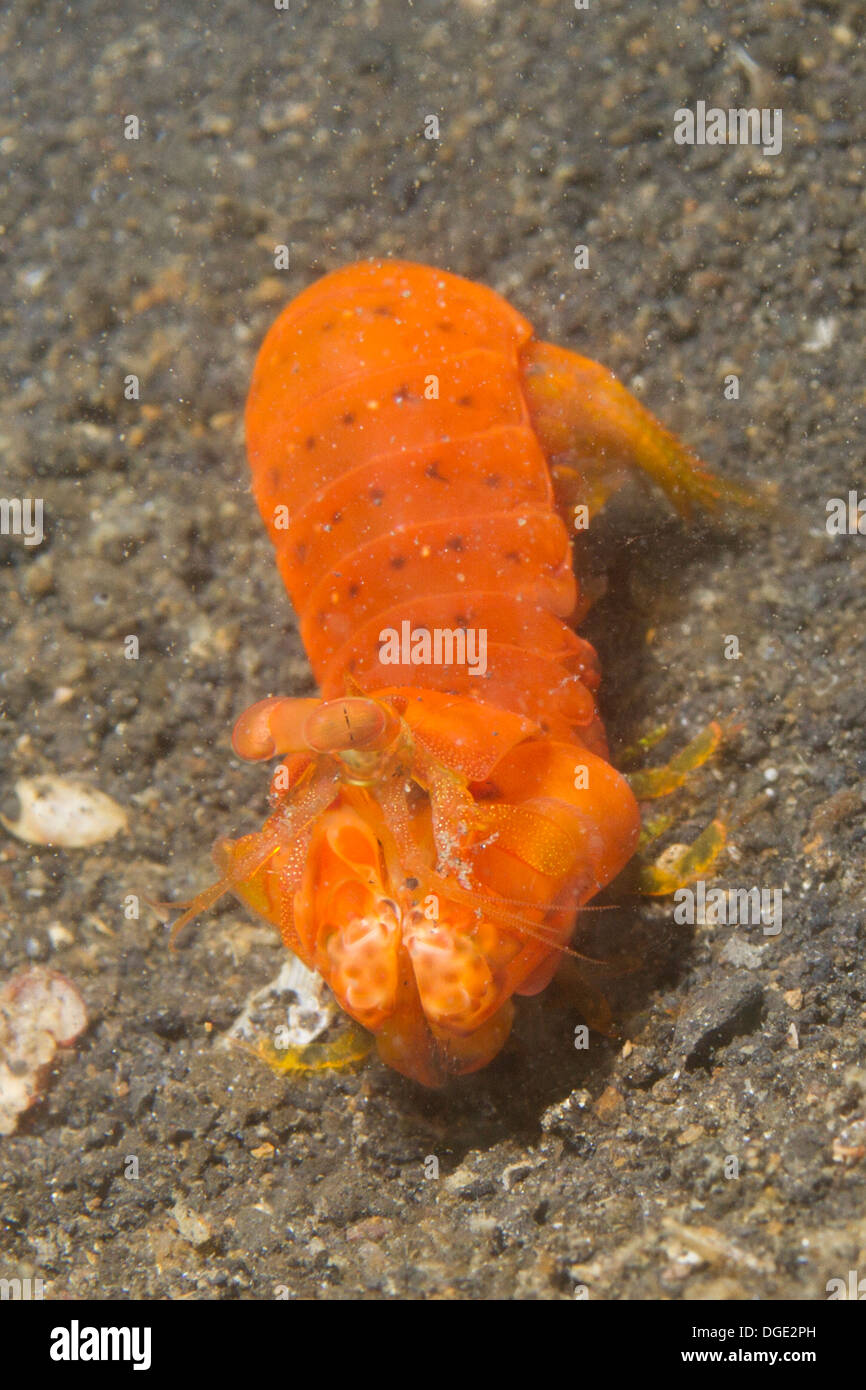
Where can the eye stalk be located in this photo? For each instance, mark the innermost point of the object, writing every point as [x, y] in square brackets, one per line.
[352, 725]
[362, 734]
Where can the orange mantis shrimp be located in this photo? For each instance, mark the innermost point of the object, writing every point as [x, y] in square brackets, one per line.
[436, 825]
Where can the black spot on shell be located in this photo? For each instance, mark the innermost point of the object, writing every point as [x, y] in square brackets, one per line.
[397, 562]
[310, 441]
[464, 400]
[454, 543]
[354, 590]
[432, 471]
[348, 418]
[493, 480]
[376, 495]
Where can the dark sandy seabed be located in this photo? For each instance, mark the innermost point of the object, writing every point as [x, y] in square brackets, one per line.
[558, 1168]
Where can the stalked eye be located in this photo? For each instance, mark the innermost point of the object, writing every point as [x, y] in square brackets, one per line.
[342, 725]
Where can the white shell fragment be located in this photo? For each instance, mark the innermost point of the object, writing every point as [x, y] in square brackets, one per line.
[310, 1012]
[40, 1010]
[58, 811]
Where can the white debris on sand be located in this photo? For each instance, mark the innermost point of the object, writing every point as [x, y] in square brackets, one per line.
[58, 811]
[40, 1010]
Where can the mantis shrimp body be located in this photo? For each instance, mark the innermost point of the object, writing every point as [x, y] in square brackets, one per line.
[436, 825]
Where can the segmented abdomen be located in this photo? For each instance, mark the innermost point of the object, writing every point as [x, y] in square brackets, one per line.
[397, 471]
